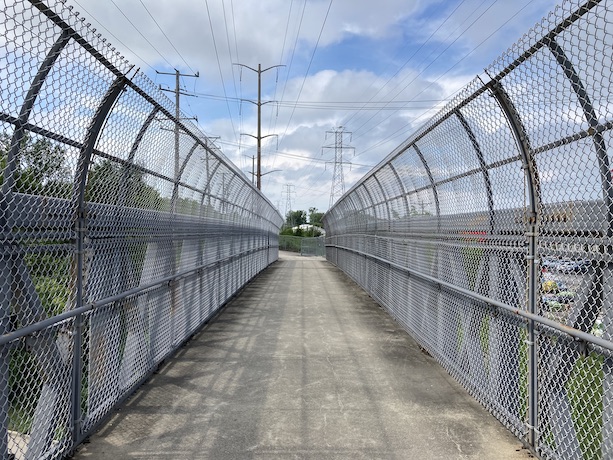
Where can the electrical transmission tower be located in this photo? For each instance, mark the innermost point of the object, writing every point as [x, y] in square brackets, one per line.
[288, 199]
[338, 181]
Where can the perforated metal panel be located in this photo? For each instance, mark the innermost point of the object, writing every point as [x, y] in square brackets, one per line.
[488, 235]
[115, 245]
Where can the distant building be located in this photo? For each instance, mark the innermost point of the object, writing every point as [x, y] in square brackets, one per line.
[307, 228]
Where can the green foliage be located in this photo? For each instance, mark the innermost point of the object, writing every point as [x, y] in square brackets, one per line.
[316, 218]
[290, 243]
[296, 218]
[40, 166]
[24, 382]
[51, 274]
[54, 293]
[471, 257]
[311, 232]
[111, 183]
[585, 394]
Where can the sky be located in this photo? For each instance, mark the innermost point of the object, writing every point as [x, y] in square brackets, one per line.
[373, 70]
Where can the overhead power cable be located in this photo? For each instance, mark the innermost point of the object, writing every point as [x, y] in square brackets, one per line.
[166, 36]
[306, 74]
[405, 130]
[117, 40]
[406, 62]
[141, 34]
[337, 105]
[362, 133]
[223, 85]
[295, 156]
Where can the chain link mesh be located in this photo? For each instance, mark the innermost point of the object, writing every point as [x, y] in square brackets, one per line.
[115, 246]
[488, 235]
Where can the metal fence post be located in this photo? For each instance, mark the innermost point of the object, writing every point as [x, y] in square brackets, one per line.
[84, 161]
[531, 234]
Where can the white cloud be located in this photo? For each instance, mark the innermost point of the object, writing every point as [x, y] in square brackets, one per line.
[368, 52]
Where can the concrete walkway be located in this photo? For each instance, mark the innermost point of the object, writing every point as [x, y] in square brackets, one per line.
[302, 365]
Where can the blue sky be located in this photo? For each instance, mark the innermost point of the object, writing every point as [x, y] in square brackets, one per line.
[379, 68]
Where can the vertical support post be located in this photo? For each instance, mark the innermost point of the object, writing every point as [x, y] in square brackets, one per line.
[77, 358]
[530, 174]
[84, 161]
[176, 133]
[437, 204]
[259, 171]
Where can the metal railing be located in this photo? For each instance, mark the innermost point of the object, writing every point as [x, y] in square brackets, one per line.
[123, 229]
[488, 235]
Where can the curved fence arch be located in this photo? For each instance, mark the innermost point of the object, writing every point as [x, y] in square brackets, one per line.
[123, 229]
[488, 235]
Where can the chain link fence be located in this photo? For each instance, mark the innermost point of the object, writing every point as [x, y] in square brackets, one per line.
[488, 235]
[123, 229]
[313, 246]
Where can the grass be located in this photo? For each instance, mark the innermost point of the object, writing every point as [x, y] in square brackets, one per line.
[585, 393]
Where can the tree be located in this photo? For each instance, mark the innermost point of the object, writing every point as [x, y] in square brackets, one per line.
[296, 218]
[41, 168]
[316, 218]
[111, 183]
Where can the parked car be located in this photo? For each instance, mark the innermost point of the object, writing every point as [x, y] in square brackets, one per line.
[574, 265]
[549, 265]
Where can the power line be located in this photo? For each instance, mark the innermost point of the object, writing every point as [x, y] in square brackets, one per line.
[428, 66]
[395, 134]
[223, 85]
[91, 17]
[295, 156]
[166, 36]
[289, 69]
[225, 20]
[410, 58]
[310, 63]
[336, 105]
[141, 34]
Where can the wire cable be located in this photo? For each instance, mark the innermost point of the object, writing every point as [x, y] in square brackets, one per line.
[346, 122]
[92, 18]
[421, 72]
[395, 134]
[307, 70]
[166, 36]
[306, 74]
[141, 34]
[223, 85]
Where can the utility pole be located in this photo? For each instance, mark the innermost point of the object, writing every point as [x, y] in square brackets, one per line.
[259, 103]
[177, 92]
[338, 182]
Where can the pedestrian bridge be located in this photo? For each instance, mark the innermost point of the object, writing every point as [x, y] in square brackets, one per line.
[487, 236]
[302, 364]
